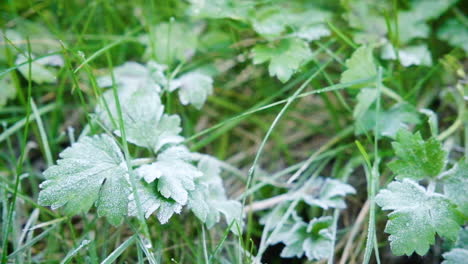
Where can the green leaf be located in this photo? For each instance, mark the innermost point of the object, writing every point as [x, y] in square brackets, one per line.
[132, 76]
[410, 55]
[417, 216]
[170, 42]
[152, 201]
[7, 90]
[173, 174]
[221, 8]
[143, 116]
[208, 200]
[417, 159]
[360, 66]
[456, 186]
[455, 33]
[306, 21]
[285, 58]
[327, 193]
[194, 88]
[313, 238]
[455, 256]
[91, 171]
[39, 73]
[365, 98]
[364, 16]
[390, 121]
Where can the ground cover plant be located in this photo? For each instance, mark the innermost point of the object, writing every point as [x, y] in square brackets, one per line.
[222, 131]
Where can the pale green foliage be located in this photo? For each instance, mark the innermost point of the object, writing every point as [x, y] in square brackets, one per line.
[194, 88]
[327, 193]
[285, 57]
[173, 174]
[408, 56]
[365, 98]
[417, 159]
[91, 171]
[455, 256]
[221, 8]
[39, 73]
[272, 21]
[455, 33]
[143, 116]
[456, 185]
[364, 17]
[152, 201]
[458, 254]
[208, 199]
[390, 121]
[132, 76]
[170, 42]
[314, 239]
[360, 66]
[7, 89]
[417, 216]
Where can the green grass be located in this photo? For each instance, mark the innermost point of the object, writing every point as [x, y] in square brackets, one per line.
[272, 137]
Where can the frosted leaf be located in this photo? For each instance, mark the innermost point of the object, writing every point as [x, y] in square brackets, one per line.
[151, 201]
[284, 58]
[7, 89]
[208, 200]
[132, 76]
[272, 21]
[360, 66]
[327, 193]
[194, 88]
[314, 239]
[417, 216]
[455, 33]
[456, 186]
[312, 32]
[365, 98]
[144, 120]
[170, 42]
[173, 176]
[363, 15]
[91, 171]
[417, 159]
[455, 256]
[39, 73]
[233, 9]
[400, 116]
[408, 56]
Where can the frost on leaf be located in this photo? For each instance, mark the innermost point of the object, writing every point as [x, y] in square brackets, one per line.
[150, 201]
[143, 116]
[39, 73]
[194, 88]
[208, 200]
[400, 116]
[285, 58]
[455, 33]
[363, 15]
[417, 159]
[417, 216]
[173, 174]
[233, 9]
[8, 90]
[459, 254]
[327, 193]
[360, 66]
[91, 171]
[408, 56]
[313, 238]
[456, 186]
[132, 76]
[307, 24]
[170, 42]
